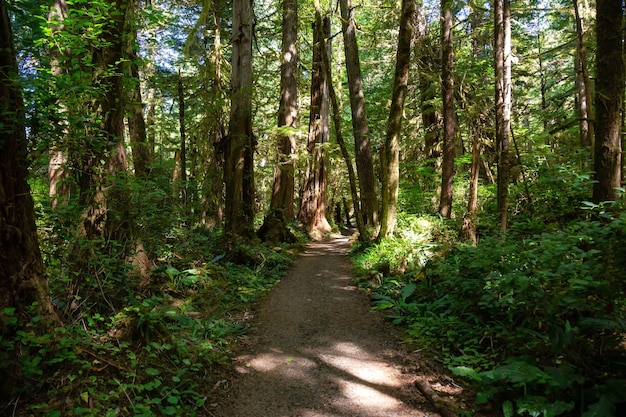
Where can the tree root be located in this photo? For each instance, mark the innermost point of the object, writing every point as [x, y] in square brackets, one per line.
[442, 406]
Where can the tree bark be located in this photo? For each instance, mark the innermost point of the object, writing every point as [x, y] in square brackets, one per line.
[360, 127]
[284, 174]
[361, 228]
[609, 100]
[313, 206]
[583, 84]
[502, 24]
[449, 124]
[22, 275]
[181, 185]
[427, 85]
[240, 143]
[390, 157]
[141, 148]
[58, 172]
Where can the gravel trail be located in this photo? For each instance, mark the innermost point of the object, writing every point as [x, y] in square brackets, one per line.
[317, 350]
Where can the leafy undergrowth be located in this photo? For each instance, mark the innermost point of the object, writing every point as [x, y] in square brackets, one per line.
[137, 348]
[534, 321]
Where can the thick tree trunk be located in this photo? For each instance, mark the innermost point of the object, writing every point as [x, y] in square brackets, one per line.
[583, 84]
[390, 157]
[360, 127]
[239, 149]
[449, 124]
[609, 100]
[284, 175]
[502, 24]
[313, 206]
[22, 276]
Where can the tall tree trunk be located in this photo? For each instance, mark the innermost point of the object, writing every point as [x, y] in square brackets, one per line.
[313, 206]
[337, 117]
[502, 24]
[390, 157]
[583, 84]
[59, 185]
[212, 187]
[468, 228]
[141, 149]
[284, 175]
[239, 149]
[427, 85]
[182, 179]
[360, 127]
[609, 100]
[22, 275]
[449, 128]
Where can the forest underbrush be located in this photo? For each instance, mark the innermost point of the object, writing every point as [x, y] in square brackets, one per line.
[533, 319]
[130, 346]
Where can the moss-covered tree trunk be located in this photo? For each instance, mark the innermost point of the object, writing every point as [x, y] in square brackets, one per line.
[609, 100]
[284, 175]
[449, 122]
[390, 157]
[240, 143]
[502, 25]
[22, 278]
[313, 205]
[583, 83]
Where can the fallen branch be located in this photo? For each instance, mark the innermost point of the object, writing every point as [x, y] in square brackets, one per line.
[443, 407]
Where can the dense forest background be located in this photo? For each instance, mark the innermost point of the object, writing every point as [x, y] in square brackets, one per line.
[161, 160]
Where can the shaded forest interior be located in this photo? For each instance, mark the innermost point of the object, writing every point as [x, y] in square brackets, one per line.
[162, 163]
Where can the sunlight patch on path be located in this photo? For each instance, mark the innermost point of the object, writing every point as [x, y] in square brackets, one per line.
[277, 362]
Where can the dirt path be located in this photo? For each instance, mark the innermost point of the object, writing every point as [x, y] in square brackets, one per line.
[318, 350]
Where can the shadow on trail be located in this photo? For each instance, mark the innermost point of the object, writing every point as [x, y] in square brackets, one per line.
[318, 351]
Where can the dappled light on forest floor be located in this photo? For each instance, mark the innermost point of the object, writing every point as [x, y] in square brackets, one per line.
[319, 351]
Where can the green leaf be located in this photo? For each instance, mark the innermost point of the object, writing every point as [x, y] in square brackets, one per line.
[408, 290]
[169, 411]
[152, 371]
[538, 406]
[507, 409]
[466, 371]
[603, 408]
[515, 371]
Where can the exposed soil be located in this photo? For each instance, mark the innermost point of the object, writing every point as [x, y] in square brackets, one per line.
[317, 350]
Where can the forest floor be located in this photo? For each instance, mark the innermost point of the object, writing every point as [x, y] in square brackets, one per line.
[317, 350]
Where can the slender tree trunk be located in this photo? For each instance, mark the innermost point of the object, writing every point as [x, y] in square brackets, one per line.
[449, 128]
[22, 275]
[363, 232]
[609, 100]
[468, 229]
[390, 157]
[284, 175]
[313, 206]
[583, 84]
[239, 149]
[212, 186]
[59, 185]
[141, 150]
[182, 180]
[427, 86]
[502, 23]
[360, 127]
